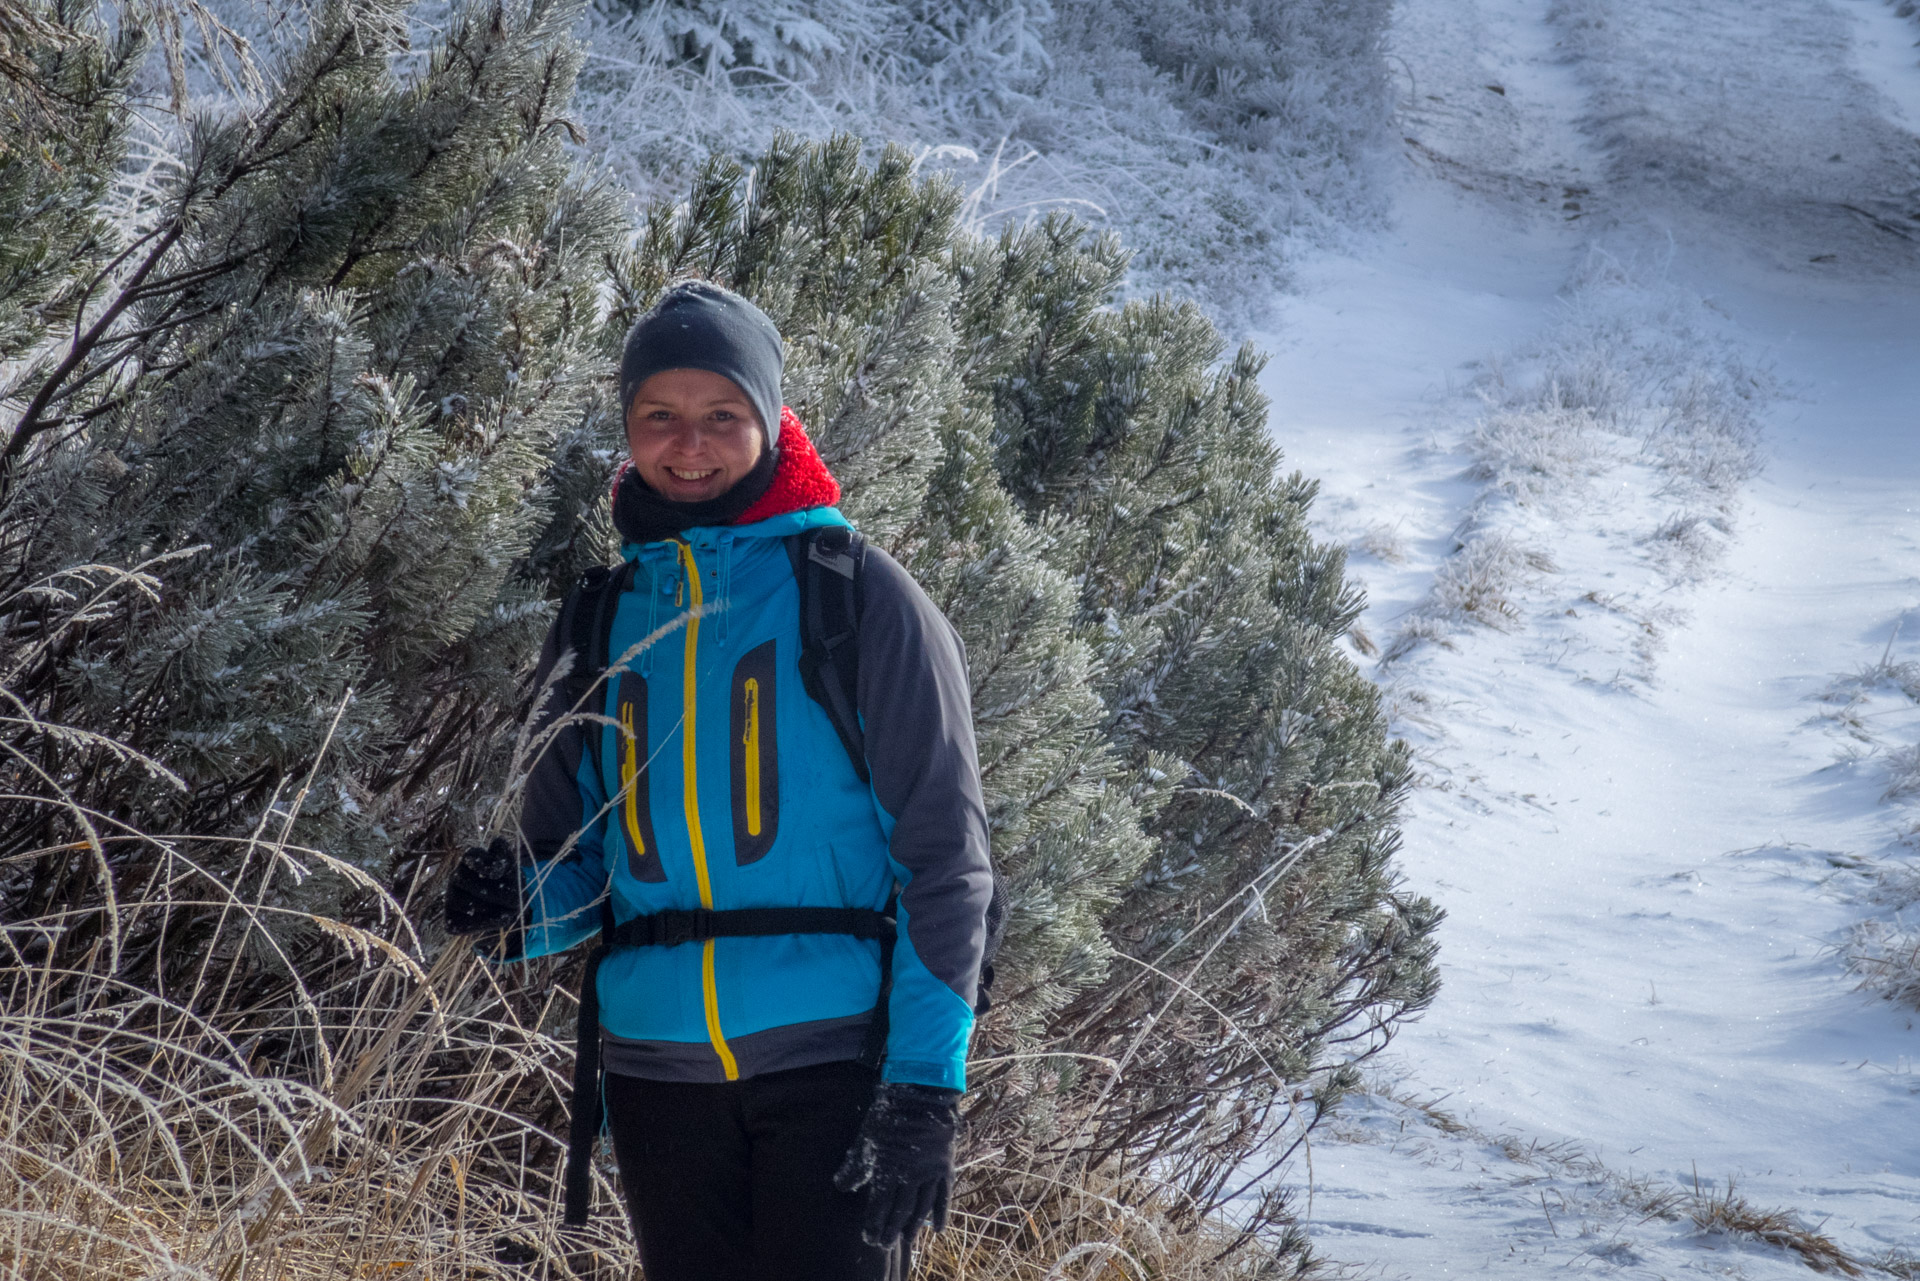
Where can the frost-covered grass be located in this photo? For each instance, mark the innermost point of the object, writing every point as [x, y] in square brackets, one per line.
[1480, 583]
[1637, 356]
[1536, 453]
[1885, 955]
[1384, 542]
[1579, 1197]
[1903, 772]
[1213, 138]
[1875, 713]
[1629, 408]
[1877, 710]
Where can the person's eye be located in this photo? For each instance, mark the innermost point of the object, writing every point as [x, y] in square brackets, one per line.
[724, 415]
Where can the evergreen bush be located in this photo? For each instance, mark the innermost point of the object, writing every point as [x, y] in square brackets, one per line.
[1189, 787]
[1264, 930]
[318, 380]
[297, 464]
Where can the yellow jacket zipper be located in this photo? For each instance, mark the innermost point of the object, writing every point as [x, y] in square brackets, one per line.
[691, 798]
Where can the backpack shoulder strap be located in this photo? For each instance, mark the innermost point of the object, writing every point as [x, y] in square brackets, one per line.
[586, 617]
[827, 566]
[586, 629]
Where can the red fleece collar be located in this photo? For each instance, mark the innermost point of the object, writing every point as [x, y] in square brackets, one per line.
[800, 479]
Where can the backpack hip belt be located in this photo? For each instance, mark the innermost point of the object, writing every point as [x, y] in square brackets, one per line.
[697, 925]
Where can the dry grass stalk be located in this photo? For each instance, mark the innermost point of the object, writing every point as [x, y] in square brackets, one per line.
[1103, 1227]
[1885, 957]
[332, 1098]
[204, 1076]
[1726, 1212]
[290, 1095]
[202, 1134]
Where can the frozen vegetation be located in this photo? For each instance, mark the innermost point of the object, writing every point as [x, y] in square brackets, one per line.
[1593, 323]
[1628, 402]
[308, 327]
[1217, 137]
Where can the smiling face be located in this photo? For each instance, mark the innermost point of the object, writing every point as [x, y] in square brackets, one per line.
[693, 434]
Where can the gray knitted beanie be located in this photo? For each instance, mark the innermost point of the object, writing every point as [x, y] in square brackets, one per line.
[697, 325]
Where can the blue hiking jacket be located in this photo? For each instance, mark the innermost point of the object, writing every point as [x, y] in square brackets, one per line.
[719, 783]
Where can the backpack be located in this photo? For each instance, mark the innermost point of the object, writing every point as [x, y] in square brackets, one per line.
[827, 563]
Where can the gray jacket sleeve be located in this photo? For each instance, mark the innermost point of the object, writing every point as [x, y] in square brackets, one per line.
[553, 809]
[561, 801]
[917, 713]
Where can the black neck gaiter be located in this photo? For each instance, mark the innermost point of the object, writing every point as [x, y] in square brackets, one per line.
[641, 515]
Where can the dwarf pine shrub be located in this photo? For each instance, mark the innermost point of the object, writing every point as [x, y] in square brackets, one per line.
[298, 461]
[319, 380]
[1262, 947]
[273, 457]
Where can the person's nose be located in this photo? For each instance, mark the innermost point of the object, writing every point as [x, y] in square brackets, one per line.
[689, 437]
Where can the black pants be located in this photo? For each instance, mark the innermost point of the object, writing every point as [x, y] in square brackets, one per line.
[734, 1182]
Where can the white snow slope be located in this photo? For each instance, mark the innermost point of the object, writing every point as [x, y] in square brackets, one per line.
[1631, 238]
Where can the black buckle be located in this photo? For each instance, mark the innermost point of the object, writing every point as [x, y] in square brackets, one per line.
[692, 925]
[836, 559]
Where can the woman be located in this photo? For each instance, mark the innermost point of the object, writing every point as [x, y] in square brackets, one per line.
[755, 1133]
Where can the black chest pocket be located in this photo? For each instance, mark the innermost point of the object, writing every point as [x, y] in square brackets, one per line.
[756, 756]
[634, 810]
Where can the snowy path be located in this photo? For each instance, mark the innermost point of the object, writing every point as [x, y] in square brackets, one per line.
[1647, 848]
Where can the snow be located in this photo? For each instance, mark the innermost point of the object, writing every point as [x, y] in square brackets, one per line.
[1884, 54]
[1651, 835]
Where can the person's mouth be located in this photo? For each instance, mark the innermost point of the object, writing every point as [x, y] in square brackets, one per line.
[681, 473]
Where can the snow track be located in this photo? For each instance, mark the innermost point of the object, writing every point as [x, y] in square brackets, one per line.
[1611, 215]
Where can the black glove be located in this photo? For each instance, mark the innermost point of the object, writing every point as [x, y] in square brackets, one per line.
[903, 1156]
[484, 891]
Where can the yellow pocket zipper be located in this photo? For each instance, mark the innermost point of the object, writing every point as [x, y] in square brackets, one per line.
[636, 814]
[752, 745]
[756, 756]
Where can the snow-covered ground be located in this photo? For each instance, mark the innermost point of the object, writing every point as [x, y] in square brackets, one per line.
[1632, 235]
